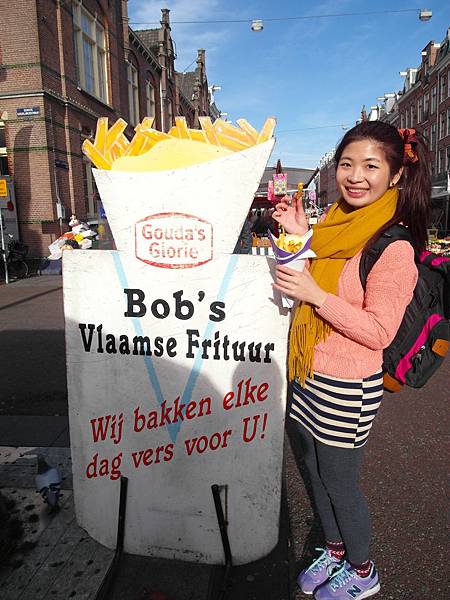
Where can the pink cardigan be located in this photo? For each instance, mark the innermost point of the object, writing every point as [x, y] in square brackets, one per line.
[364, 324]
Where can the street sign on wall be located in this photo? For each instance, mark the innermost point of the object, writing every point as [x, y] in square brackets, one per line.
[33, 111]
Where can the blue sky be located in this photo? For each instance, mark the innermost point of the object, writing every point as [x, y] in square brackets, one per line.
[310, 73]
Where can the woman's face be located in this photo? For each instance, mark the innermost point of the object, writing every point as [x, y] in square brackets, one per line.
[363, 173]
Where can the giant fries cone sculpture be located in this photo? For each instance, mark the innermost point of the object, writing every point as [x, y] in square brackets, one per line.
[175, 353]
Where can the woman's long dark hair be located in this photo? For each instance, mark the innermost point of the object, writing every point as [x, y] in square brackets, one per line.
[413, 207]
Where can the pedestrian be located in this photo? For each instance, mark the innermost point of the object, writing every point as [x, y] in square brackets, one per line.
[339, 332]
[259, 226]
[244, 242]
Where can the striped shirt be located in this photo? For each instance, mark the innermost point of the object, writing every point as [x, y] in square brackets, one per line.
[336, 411]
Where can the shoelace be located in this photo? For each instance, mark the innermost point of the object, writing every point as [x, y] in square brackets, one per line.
[342, 576]
[320, 562]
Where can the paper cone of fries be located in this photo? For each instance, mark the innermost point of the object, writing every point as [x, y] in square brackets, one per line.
[293, 260]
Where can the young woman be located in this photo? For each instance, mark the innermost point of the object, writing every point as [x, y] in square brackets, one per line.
[339, 331]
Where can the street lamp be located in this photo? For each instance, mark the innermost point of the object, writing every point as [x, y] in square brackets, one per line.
[425, 14]
[257, 25]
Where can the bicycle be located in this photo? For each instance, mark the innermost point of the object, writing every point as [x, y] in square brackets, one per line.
[16, 253]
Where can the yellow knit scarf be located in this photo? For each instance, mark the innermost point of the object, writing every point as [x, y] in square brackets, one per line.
[342, 234]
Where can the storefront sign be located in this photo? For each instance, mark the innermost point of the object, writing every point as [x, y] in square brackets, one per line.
[3, 188]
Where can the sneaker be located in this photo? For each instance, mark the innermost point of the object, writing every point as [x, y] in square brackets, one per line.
[317, 573]
[346, 584]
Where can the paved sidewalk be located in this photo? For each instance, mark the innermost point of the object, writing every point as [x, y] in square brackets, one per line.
[33, 418]
[65, 557]
[405, 477]
[32, 347]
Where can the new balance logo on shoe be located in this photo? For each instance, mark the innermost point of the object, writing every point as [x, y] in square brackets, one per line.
[354, 591]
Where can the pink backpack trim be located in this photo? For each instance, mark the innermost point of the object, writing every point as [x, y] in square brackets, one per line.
[405, 363]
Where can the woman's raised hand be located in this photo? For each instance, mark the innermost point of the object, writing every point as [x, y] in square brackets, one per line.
[290, 214]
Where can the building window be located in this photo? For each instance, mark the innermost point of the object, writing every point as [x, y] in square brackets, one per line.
[442, 125]
[443, 88]
[433, 100]
[150, 99]
[90, 52]
[169, 114]
[448, 158]
[412, 116]
[448, 120]
[426, 100]
[419, 110]
[441, 164]
[433, 137]
[90, 191]
[402, 120]
[133, 93]
[448, 83]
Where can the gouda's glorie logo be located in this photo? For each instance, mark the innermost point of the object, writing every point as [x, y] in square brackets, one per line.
[174, 240]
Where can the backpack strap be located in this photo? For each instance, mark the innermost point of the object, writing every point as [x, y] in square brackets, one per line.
[369, 257]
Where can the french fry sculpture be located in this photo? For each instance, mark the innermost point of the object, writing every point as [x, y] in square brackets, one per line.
[175, 379]
[152, 150]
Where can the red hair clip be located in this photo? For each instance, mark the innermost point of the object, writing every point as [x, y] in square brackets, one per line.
[409, 144]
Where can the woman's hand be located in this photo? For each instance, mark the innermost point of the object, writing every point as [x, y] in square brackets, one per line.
[290, 214]
[299, 285]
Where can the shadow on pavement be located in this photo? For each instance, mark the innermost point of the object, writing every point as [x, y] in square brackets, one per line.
[34, 382]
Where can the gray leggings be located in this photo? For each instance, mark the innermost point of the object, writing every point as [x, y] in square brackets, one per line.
[340, 503]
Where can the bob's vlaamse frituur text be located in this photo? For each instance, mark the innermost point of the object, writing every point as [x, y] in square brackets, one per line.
[218, 347]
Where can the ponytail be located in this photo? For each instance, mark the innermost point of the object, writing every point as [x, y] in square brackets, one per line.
[414, 202]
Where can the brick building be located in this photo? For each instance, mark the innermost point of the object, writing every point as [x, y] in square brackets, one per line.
[326, 181]
[63, 64]
[423, 104]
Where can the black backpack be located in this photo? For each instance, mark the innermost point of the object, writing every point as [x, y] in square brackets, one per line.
[422, 339]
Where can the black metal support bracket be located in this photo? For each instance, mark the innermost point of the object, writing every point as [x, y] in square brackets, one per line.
[102, 592]
[223, 527]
